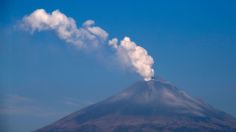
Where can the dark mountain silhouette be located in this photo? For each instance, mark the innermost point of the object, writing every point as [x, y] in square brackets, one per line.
[150, 106]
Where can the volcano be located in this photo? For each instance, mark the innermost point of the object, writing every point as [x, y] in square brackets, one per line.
[146, 106]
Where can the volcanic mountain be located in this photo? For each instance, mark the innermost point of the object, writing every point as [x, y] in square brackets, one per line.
[146, 106]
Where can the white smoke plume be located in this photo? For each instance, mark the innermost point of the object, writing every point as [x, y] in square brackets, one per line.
[65, 27]
[89, 35]
[134, 56]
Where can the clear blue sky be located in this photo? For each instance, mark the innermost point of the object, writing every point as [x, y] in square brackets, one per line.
[43, 79]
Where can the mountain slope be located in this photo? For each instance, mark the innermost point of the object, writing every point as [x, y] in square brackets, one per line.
[155, 105]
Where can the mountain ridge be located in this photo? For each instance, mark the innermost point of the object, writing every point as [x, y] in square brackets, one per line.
[154, 105]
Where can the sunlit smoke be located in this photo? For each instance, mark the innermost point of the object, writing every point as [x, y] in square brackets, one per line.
[134, 56]
[86, 36]
[91, 36]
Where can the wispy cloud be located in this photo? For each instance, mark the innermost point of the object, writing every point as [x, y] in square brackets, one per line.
[18, 105]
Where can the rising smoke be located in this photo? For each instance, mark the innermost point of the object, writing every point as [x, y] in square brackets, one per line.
[134, 56]
[90, 36]
[66, 28]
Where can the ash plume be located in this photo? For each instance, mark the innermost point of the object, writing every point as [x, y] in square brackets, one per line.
[66, 28]
[134, 56]
[91, 36]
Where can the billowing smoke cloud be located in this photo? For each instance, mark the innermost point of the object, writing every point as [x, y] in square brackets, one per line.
[65, 27]
[134, 56]
[90, 36]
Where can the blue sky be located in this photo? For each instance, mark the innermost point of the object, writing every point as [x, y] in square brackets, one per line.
[193, 45]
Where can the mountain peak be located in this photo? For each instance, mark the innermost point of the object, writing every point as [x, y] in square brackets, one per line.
[154, 105]
[157, 95]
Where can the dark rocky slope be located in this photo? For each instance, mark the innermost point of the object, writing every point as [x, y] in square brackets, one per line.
[146, 107]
